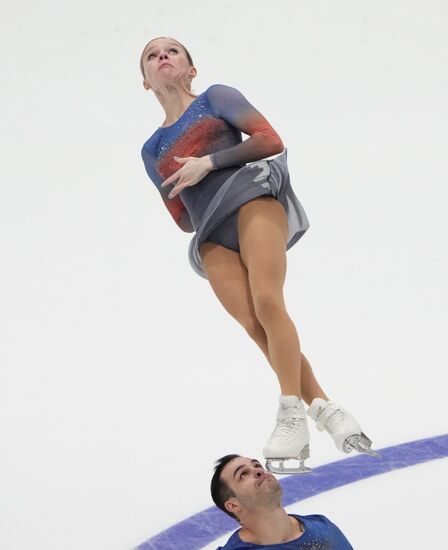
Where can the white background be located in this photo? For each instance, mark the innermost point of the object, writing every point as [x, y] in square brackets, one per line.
[122, 378]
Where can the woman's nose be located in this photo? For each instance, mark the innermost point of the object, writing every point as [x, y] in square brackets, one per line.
[162, 56]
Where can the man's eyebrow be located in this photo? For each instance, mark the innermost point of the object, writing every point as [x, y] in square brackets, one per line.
[253, 461]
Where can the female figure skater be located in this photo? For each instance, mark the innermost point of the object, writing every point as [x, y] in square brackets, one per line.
[244, 217]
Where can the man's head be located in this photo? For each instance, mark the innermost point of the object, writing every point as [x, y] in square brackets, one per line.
[241, 485]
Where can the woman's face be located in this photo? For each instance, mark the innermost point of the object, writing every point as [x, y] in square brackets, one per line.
[164, 61]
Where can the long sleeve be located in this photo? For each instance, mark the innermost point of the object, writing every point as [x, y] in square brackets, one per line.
[229, 104]
[174, 206]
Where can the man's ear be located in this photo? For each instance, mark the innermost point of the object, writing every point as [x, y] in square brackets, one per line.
[233, 506]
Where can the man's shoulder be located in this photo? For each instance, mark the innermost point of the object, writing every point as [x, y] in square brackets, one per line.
[316, 520]
[311, 517]
[321, 527]
[313, 523]
[233, 543]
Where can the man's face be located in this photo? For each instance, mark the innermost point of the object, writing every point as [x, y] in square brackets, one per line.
[252, 485]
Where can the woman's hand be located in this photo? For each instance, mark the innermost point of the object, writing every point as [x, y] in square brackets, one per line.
[192, 171]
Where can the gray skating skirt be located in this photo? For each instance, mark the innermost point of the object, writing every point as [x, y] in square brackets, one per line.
[249, 182]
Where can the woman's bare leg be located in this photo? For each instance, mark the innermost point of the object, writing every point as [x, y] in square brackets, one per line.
[263, 233]
[228, 278]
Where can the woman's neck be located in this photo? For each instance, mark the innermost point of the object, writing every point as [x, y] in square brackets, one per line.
[174, 100]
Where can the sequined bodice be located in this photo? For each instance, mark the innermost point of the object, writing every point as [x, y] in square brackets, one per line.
[211, 125]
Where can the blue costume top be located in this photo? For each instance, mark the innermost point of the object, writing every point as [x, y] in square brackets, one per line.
[319, 533]
[212, 125]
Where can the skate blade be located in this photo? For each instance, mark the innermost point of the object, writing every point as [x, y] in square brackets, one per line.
[360, 443]
[282, 469]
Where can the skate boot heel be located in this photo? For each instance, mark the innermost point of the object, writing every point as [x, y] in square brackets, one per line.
[342, 427]
[305, 453]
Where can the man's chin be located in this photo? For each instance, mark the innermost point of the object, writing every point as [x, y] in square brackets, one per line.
[271, 483]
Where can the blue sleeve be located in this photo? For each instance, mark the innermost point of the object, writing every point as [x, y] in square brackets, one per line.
[230, 105]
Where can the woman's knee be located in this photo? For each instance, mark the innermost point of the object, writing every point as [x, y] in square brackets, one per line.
[268, 306]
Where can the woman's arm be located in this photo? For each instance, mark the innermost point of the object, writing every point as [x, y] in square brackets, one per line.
[229, 104]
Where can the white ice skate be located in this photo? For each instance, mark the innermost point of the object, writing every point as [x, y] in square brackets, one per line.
[290, 438]
[341, 425]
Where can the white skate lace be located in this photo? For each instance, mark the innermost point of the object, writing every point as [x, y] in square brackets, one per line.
[286, 428]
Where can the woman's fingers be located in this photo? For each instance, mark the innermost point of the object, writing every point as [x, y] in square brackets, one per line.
[176, 174]
[172, 178]
[177, 189]
[182, 160]
[190, 173]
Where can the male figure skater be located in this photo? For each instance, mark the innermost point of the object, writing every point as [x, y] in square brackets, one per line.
[244, 490]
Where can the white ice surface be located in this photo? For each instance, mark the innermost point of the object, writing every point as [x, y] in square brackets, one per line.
[121, 382]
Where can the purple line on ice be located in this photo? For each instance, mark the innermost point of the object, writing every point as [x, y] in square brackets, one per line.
[199, 530]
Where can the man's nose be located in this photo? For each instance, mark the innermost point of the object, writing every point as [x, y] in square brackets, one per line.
[258, 472]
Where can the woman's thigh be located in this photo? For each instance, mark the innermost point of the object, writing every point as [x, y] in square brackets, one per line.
[228, 278]
[263, 237]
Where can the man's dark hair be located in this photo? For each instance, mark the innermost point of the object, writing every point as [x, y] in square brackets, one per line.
[219, 489]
